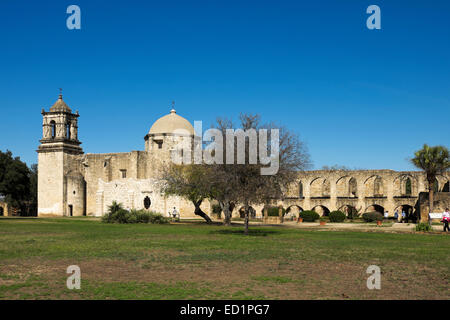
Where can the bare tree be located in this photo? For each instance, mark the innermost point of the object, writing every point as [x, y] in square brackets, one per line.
[244, 183]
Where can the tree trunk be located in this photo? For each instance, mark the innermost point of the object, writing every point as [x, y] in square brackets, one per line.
[199, 212]
[226, 213]
[430, 198]
[246, 220]
[227, 209]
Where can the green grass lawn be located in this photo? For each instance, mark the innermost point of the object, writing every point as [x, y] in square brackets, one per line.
[198, 261]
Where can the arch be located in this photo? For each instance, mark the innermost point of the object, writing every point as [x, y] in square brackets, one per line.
[292, 212]
[346, 187]
[405, 185]
[349, 210]
[147, 202]
[321, 210]
[375, 207]
[294, 206]
[68, 130]
[411, 214]
[53, 129]
[2, 211]
[252, 212]
[374, 186]
[408, 187]
[352, 187]
[320, 188]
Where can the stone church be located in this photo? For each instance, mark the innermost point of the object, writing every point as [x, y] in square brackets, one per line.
[72, 183]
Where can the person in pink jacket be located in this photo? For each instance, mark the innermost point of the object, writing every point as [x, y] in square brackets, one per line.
[446, 219]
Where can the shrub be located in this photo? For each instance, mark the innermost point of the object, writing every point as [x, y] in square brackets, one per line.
[120, 216]
[337, 216]
[116, 214]
[423, 226]
[309, 216]
[114, 207]
[372, 216]
[273, 211]
[157, 218]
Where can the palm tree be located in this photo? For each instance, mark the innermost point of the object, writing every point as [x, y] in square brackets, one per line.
[434, 161]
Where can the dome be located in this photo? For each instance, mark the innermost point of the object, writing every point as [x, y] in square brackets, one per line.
[169, 123]
[60, 106]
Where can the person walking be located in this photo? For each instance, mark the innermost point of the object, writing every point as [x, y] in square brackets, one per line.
[175, 214]
[446, 219]
[403, 216]
[386, 215]
[396, 216]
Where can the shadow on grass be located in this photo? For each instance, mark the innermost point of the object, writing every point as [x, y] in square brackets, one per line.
[19, 218]
[251, 232]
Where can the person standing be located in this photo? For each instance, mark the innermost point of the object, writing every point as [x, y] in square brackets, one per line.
[386, 214]
[175, 214]
[396, 216]
[403, 216]
[446, 219]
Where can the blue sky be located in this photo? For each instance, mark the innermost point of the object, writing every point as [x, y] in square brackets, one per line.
[358, 97]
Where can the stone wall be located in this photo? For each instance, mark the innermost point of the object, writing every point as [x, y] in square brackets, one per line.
[360, 190]
[440, 203]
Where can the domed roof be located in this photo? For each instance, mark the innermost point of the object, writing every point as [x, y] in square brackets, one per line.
[60, 106]
[171, 122]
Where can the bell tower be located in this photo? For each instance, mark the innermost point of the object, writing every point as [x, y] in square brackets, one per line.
[60, 129]
[59, 146]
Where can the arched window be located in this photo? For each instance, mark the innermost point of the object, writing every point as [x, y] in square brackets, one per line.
[147, 202]
[378, 186]
[352, 187]
[408, 187]
[53, 128]
[68, 130]
[300, 190]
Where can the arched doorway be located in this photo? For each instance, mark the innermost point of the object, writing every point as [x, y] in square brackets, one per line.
[292, 212]
[2, 212]
[410, 214]
[350, 211]
[375, 207]
[321, 210]
[251, 212]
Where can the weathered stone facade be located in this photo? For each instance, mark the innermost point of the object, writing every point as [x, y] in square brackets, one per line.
[356, 190]
[360, 190]
[71, 183]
